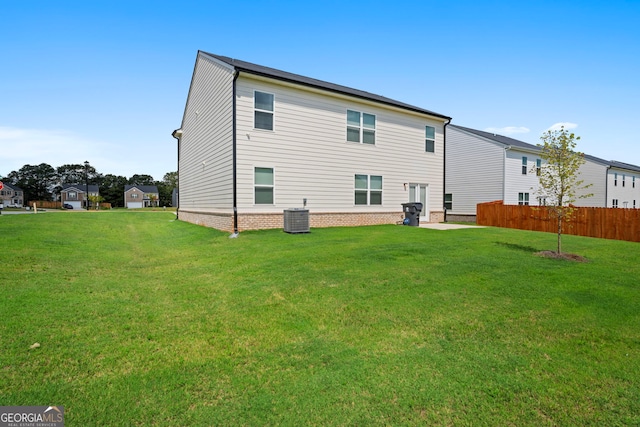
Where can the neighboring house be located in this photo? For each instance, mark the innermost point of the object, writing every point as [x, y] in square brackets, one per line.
[623, 185]
[174, 197]
[483, 166]
[255, 141]
[11, 196]
[141, 196]
[76, 195]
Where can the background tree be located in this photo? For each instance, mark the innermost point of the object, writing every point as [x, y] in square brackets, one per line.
[166, 186]
[559, 175]
[37, 181]
[141, 180]
[112, 189]
[170, 179]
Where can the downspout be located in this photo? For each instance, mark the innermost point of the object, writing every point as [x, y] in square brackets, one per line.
[606, 186]
[444, 169]
[234, 155]
[504, 173]
[177, 134]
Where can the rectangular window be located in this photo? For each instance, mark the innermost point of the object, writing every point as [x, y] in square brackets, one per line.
[615, 179]
[542, 201]
[634, 204]
[263, 110]
[448, 201]
[524, 165]
[134, 195]
[523, 199]
[263, 178]
[361, 127]
[73, 195]
[368, 190]
[623, 178]
[615, 203]
[430, 139]
[538, 166]
[633, 182]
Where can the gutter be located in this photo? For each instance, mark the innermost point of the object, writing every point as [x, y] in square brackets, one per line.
[444, 168]
[235, 157]
[177, 134]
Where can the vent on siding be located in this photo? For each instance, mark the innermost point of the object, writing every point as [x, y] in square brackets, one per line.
[296, 220]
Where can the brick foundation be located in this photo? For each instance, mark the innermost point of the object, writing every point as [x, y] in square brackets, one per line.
[224, 221]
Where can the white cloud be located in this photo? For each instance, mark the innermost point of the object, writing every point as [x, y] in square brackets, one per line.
[508, 130]
[566, 125]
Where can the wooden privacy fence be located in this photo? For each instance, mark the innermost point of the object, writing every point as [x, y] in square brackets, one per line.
[606, 223]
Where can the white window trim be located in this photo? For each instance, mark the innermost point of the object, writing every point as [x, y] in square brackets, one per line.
[525, 165]
[361, 128]
[368, 190]
[430, 139]
[273, 113]
[272, 186]
[525, 199]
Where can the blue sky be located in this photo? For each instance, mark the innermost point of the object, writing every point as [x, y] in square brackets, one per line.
[107, 81]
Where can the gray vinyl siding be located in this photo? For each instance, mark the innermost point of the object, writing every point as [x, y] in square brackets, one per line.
[594, 174]
[312, 159]
[205, 170]
[515, 182]
[623, 194]
[474, 171]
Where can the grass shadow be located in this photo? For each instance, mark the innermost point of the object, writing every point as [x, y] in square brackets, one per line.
[518, 247]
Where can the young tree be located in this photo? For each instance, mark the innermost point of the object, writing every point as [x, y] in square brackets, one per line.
[559, 175]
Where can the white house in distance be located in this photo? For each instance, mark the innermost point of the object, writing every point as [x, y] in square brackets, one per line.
[255, 141]
[623, 185]
[482, 167]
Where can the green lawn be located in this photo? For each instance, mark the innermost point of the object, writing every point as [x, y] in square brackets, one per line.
[143, 320]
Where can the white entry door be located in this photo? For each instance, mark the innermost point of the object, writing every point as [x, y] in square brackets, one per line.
[419, 193]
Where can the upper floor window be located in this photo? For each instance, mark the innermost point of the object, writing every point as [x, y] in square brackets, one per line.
[263, 110]
[524, 165]
[72, 195]
[134, 195]
[523, 198]
[623, 177]
[263, 190]
[361, 127]
[368, 190]
[615, 179]
[538, 166]
[430, 139]
[633, 182]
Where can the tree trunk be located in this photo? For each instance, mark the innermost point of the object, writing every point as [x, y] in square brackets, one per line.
[560, 233]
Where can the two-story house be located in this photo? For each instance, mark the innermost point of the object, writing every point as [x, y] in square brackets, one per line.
[141, 196]
[255, 141]
[623, 185]
[11, 196]
[483, 166]
[76, 195]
